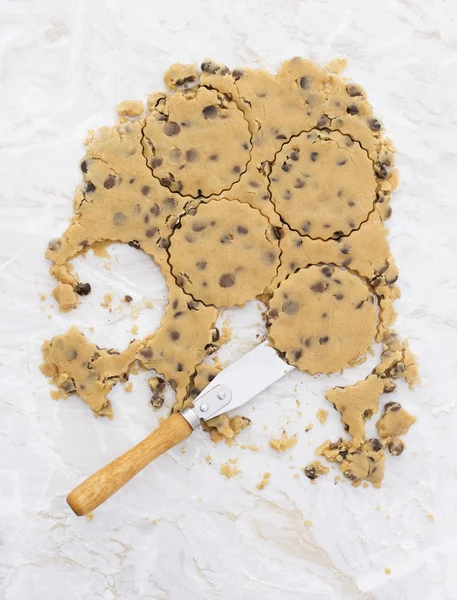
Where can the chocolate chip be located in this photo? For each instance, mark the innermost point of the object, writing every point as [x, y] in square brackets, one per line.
[193, 305]
[290, 307]
[323, 340]
[273, 313]
[84, 166]
[353, 90]
[128, 298]
[145, 190]
[314, 156]
[179, 367]
[396, 447]
[297, 354]
[146, 218]
[306, 342]
[236, 169]
[374, 124]
[341, 162]
[174, 335]
[154, 210]
[392, 407]
[134, 244]
[324, 315]
[189, 238]
[375, 444]
[215, 335]
[227, 280]
[151, 232]
[170, 203]
[119, 218]
[360, 304]
[171, 128]
[352, 109]
[146, 352]
[339, 296]
[285, 167]
[209, 112]
[242, 230]
[69, 386]
[237, 74]
[164, 243]
[245, 146]
[270, 257]
[351, 203]
[346, 262]
[226, 239]
[311, 472]
[201, 265]
[82, 289]
[198, 226]
[294, 155]
[90, 187]
[299, 184]
[109, 182]
[177, 314]
[324, 121]
[319, 286]
[345, 250]
[192, 155]
[327, 271]
[287, 195]
[305, 82]
[306, 227]
[156, 162]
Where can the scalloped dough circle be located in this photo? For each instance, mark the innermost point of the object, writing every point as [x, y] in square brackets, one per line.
[224, 253]
[197, 142]
[323, 184]
[322, 318]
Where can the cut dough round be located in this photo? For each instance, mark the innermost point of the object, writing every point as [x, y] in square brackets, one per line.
[197, 142]
[323, 184]
[322, 318]
[224, 253]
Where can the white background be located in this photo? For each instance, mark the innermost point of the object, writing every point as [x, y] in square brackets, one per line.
[181, 531]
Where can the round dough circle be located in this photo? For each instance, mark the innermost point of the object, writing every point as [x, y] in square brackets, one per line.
[322, 318]
[323, 184]
[224, 253]
[199, 142]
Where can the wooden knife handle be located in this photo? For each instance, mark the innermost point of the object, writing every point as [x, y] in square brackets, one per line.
[107, 481]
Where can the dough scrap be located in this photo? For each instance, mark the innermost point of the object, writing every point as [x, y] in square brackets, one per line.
[197, 142]
[283, 443]
[395, 421]
[315, 469]
[322, 319]
[78, 367]
[365, 463]
[323, 184]
[357, 403]
[244, 255]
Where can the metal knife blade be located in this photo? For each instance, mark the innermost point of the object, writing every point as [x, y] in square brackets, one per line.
[240, 382]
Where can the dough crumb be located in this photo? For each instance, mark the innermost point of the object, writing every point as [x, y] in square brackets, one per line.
[157, 387]
[264, 481]
[308, 523]
[251, 447]
[314, 470]
[308, 427]
[229, 470]
[130, 108]
[42, 297]
[65, 296]
[134, 329]
[128, 387]
[180, 75]
[430, 517]
[107, 299]
[397, 360]
[322, 415]
[208, 458]
[336, 65]
[183, 450]
[284, 442]
[387, 570]
[90, 516]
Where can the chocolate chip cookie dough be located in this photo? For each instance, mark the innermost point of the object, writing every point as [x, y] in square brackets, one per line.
[242, 183]
[322, 318]
[323, 184]
[224, 253]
